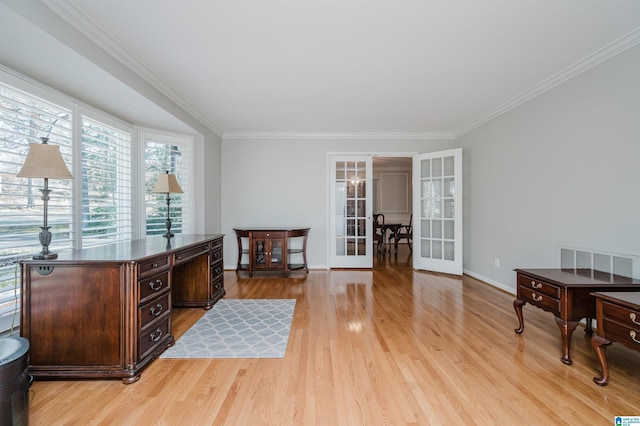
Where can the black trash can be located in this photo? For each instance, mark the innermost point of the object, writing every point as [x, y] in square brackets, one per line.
[14, 381]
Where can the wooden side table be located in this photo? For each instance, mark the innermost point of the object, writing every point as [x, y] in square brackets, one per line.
[567, 293]
[618, 317]
[270, 249]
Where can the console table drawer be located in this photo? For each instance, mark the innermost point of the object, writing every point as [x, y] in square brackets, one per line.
[271, 234]
[539, 287]
[153, 309]
[152, 286]
[184, 255]
[538, 299]
[153, 265]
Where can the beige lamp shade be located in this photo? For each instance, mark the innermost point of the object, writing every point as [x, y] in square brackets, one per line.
[167, 184]
[44, 161]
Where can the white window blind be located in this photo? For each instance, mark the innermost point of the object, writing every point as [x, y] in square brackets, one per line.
[106, 183]
[173, 155]
[24, 119]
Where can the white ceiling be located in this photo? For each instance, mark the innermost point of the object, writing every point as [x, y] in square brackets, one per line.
[354, 66]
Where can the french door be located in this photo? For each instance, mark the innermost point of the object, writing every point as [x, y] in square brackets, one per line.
[351, 241]
[437, 206]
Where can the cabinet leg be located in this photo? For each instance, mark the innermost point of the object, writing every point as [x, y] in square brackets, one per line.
[566, 331]
[588, 329]
[599, 345]
[517, 305]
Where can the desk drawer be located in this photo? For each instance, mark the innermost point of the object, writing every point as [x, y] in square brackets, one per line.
[184, 255]
[216, 254]
[152, 335]
[154, 309]
[621, 314]
[217, 270]
[628, 336]
[217, 286]
[152, 266]
[538, 299]
[218, 243]
[539, 287]
[149, 287]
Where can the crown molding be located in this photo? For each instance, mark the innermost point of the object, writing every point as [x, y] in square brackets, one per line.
[90, 29]
[338, 136]
[607, 52]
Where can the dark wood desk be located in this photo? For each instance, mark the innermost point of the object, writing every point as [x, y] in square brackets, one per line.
[567, 294]
[105, 312]
[271, 249]
[618, 317]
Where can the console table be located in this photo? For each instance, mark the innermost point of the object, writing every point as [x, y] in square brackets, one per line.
[567, 294]
[618, 317]
[105, 312]
[271, 249]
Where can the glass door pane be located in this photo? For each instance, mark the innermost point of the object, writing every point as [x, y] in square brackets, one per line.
[351, 206]
[439, 209]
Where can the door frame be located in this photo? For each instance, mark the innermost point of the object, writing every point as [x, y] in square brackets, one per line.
[330, 182]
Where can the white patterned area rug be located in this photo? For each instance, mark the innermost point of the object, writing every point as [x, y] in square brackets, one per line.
[238, 328]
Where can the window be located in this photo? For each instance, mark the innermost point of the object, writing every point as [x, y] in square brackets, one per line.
[23, 120]
[106, 183]
[173, 154]
[102, 204]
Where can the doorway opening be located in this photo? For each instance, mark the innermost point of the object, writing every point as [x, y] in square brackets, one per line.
[393, 198]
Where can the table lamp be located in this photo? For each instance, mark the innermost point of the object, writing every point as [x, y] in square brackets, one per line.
[45, 161]
[167, 184]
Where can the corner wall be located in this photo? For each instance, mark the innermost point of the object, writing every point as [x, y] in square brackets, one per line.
[563, 168]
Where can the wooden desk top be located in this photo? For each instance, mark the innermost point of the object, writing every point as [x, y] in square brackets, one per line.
[129, 250]
[271, 228]
[580, 277]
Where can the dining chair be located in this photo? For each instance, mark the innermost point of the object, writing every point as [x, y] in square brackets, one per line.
[405, 232]
[378, 232]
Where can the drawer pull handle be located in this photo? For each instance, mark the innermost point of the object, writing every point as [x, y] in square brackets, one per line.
[154, 265]
[217, 271]
[632, 317]
[155, 285]
[633, 336]
[153, 337]
[536, 297]
[534, 285]
[156, 310]
[216, 255]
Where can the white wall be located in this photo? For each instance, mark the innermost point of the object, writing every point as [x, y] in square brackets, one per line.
[392, 194]
[563, 168]
[285, 183]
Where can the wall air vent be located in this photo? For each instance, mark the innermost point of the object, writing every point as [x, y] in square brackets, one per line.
[626, 265]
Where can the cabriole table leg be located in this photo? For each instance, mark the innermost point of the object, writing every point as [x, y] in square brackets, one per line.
[517, 305]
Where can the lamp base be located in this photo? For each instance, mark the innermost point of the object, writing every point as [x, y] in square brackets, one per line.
[47, 256]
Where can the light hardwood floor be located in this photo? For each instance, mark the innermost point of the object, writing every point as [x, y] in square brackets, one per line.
[388, 346]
